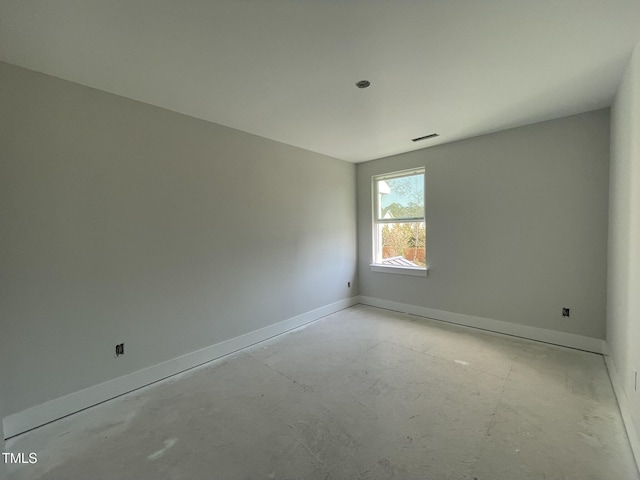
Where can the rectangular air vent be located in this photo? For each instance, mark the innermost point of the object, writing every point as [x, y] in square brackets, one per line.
[424, 138]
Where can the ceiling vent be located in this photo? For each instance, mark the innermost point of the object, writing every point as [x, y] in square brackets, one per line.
[424, 138]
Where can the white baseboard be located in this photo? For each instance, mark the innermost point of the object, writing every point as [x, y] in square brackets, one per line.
[623, 404]
[533, 333]
[61, 407]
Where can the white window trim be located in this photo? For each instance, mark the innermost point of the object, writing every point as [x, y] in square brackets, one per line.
[378, 267]
[413, 271]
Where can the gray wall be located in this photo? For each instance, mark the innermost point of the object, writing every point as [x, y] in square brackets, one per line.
[516, 226]
[623, 306]
[3, 468]
[122, 222]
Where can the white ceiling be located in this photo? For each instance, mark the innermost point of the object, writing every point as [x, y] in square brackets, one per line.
[286, 69]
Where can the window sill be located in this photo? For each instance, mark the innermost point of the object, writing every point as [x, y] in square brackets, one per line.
[416, 272]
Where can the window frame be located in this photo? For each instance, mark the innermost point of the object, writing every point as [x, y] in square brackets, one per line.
[377, 222]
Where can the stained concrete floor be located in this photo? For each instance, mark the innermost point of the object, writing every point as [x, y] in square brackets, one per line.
[361, 394]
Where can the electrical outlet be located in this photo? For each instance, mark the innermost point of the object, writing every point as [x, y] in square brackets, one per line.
[119, 349]
[565, 312]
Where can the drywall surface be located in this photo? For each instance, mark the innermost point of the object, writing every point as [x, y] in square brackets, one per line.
[623, 299]
[123, 222]
[516, 226]
[3, 468]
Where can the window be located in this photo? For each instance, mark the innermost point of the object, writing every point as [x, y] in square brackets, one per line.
[399, 228]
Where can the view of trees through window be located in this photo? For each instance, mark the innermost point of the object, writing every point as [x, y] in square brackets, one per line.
[405, 239]
[400, 225]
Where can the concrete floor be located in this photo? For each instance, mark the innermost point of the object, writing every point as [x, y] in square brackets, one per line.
[361, 394]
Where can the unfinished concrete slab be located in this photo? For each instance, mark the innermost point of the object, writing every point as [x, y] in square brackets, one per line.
[362, 394]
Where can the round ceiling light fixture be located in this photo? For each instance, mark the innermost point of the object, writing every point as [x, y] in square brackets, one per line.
[363, 83]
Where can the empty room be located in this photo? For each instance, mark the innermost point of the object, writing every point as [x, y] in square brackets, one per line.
[298, 239]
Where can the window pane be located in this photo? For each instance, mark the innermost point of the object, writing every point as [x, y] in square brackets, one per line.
[402, 244]
[401, 197]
